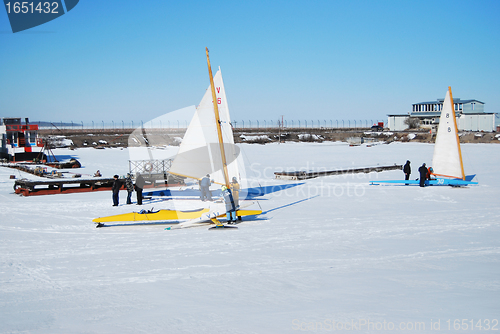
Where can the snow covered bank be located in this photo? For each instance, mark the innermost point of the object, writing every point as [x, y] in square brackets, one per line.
[331, 249]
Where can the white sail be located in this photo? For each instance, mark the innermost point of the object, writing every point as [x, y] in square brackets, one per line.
[199, 153]
[447, 159]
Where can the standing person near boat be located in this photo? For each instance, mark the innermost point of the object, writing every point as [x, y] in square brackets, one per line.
[423, 174]
[235, 188]
[430, 172]
[407, 170]
[130, 188]
[117, 184]
[205, 188]
[230, 205]
[139, 186]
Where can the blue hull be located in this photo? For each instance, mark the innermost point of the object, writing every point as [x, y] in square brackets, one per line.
[436, 182]
[249, 193]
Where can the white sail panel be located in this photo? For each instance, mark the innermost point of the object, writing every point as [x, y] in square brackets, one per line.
[199, 153]
[231, 151]
[447, 159]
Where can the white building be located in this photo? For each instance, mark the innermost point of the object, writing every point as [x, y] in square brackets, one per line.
[470, 116]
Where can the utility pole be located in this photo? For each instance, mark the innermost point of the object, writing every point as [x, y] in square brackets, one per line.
[281, 125]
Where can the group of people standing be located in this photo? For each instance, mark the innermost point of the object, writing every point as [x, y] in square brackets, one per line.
[425, 173]
[231, 196]
[130, 186]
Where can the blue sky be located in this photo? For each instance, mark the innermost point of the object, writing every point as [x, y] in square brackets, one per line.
[136, 60]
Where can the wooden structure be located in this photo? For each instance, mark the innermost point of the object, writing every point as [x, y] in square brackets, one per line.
[76, 185]
[58, 186]
[301, 175]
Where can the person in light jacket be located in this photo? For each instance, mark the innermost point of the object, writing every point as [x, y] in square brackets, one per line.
[235, 188]
[230, 206]
[205, 188]
[139, 186]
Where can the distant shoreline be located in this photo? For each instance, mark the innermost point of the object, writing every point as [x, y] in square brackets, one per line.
[120, 137]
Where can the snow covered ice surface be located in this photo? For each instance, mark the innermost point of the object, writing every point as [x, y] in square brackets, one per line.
[332, 251]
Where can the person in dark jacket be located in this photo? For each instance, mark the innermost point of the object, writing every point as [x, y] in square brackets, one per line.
[423, 174]
[130, 188]
[407, 170]
[230, 207]
[139, 186]
[117, 184]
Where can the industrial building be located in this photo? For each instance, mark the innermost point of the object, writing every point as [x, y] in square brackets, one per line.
[470, 116]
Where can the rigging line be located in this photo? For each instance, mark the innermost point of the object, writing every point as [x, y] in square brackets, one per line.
[260, 207]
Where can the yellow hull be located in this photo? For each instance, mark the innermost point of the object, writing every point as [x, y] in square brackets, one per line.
[167, 215]
[159, 215]
[242, 213]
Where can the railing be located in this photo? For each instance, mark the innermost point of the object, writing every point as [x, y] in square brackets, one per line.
[237, 124]
[150, 166]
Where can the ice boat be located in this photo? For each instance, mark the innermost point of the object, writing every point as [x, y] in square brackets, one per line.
[207, 148]
[447, 164]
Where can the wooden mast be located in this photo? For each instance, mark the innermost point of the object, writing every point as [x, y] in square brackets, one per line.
[456, 132]
[217, 121]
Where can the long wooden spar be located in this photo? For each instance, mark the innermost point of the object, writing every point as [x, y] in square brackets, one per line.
[456, 132]
[217, 121]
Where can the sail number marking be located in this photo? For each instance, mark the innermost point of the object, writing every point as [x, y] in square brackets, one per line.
[219, 100]
[28, 7]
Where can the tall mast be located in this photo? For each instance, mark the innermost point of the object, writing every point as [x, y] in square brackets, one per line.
[456, 131]
[217, 121]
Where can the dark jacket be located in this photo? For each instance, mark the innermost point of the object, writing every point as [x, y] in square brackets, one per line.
[423, 172]
[407, 168]
[117, 184]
